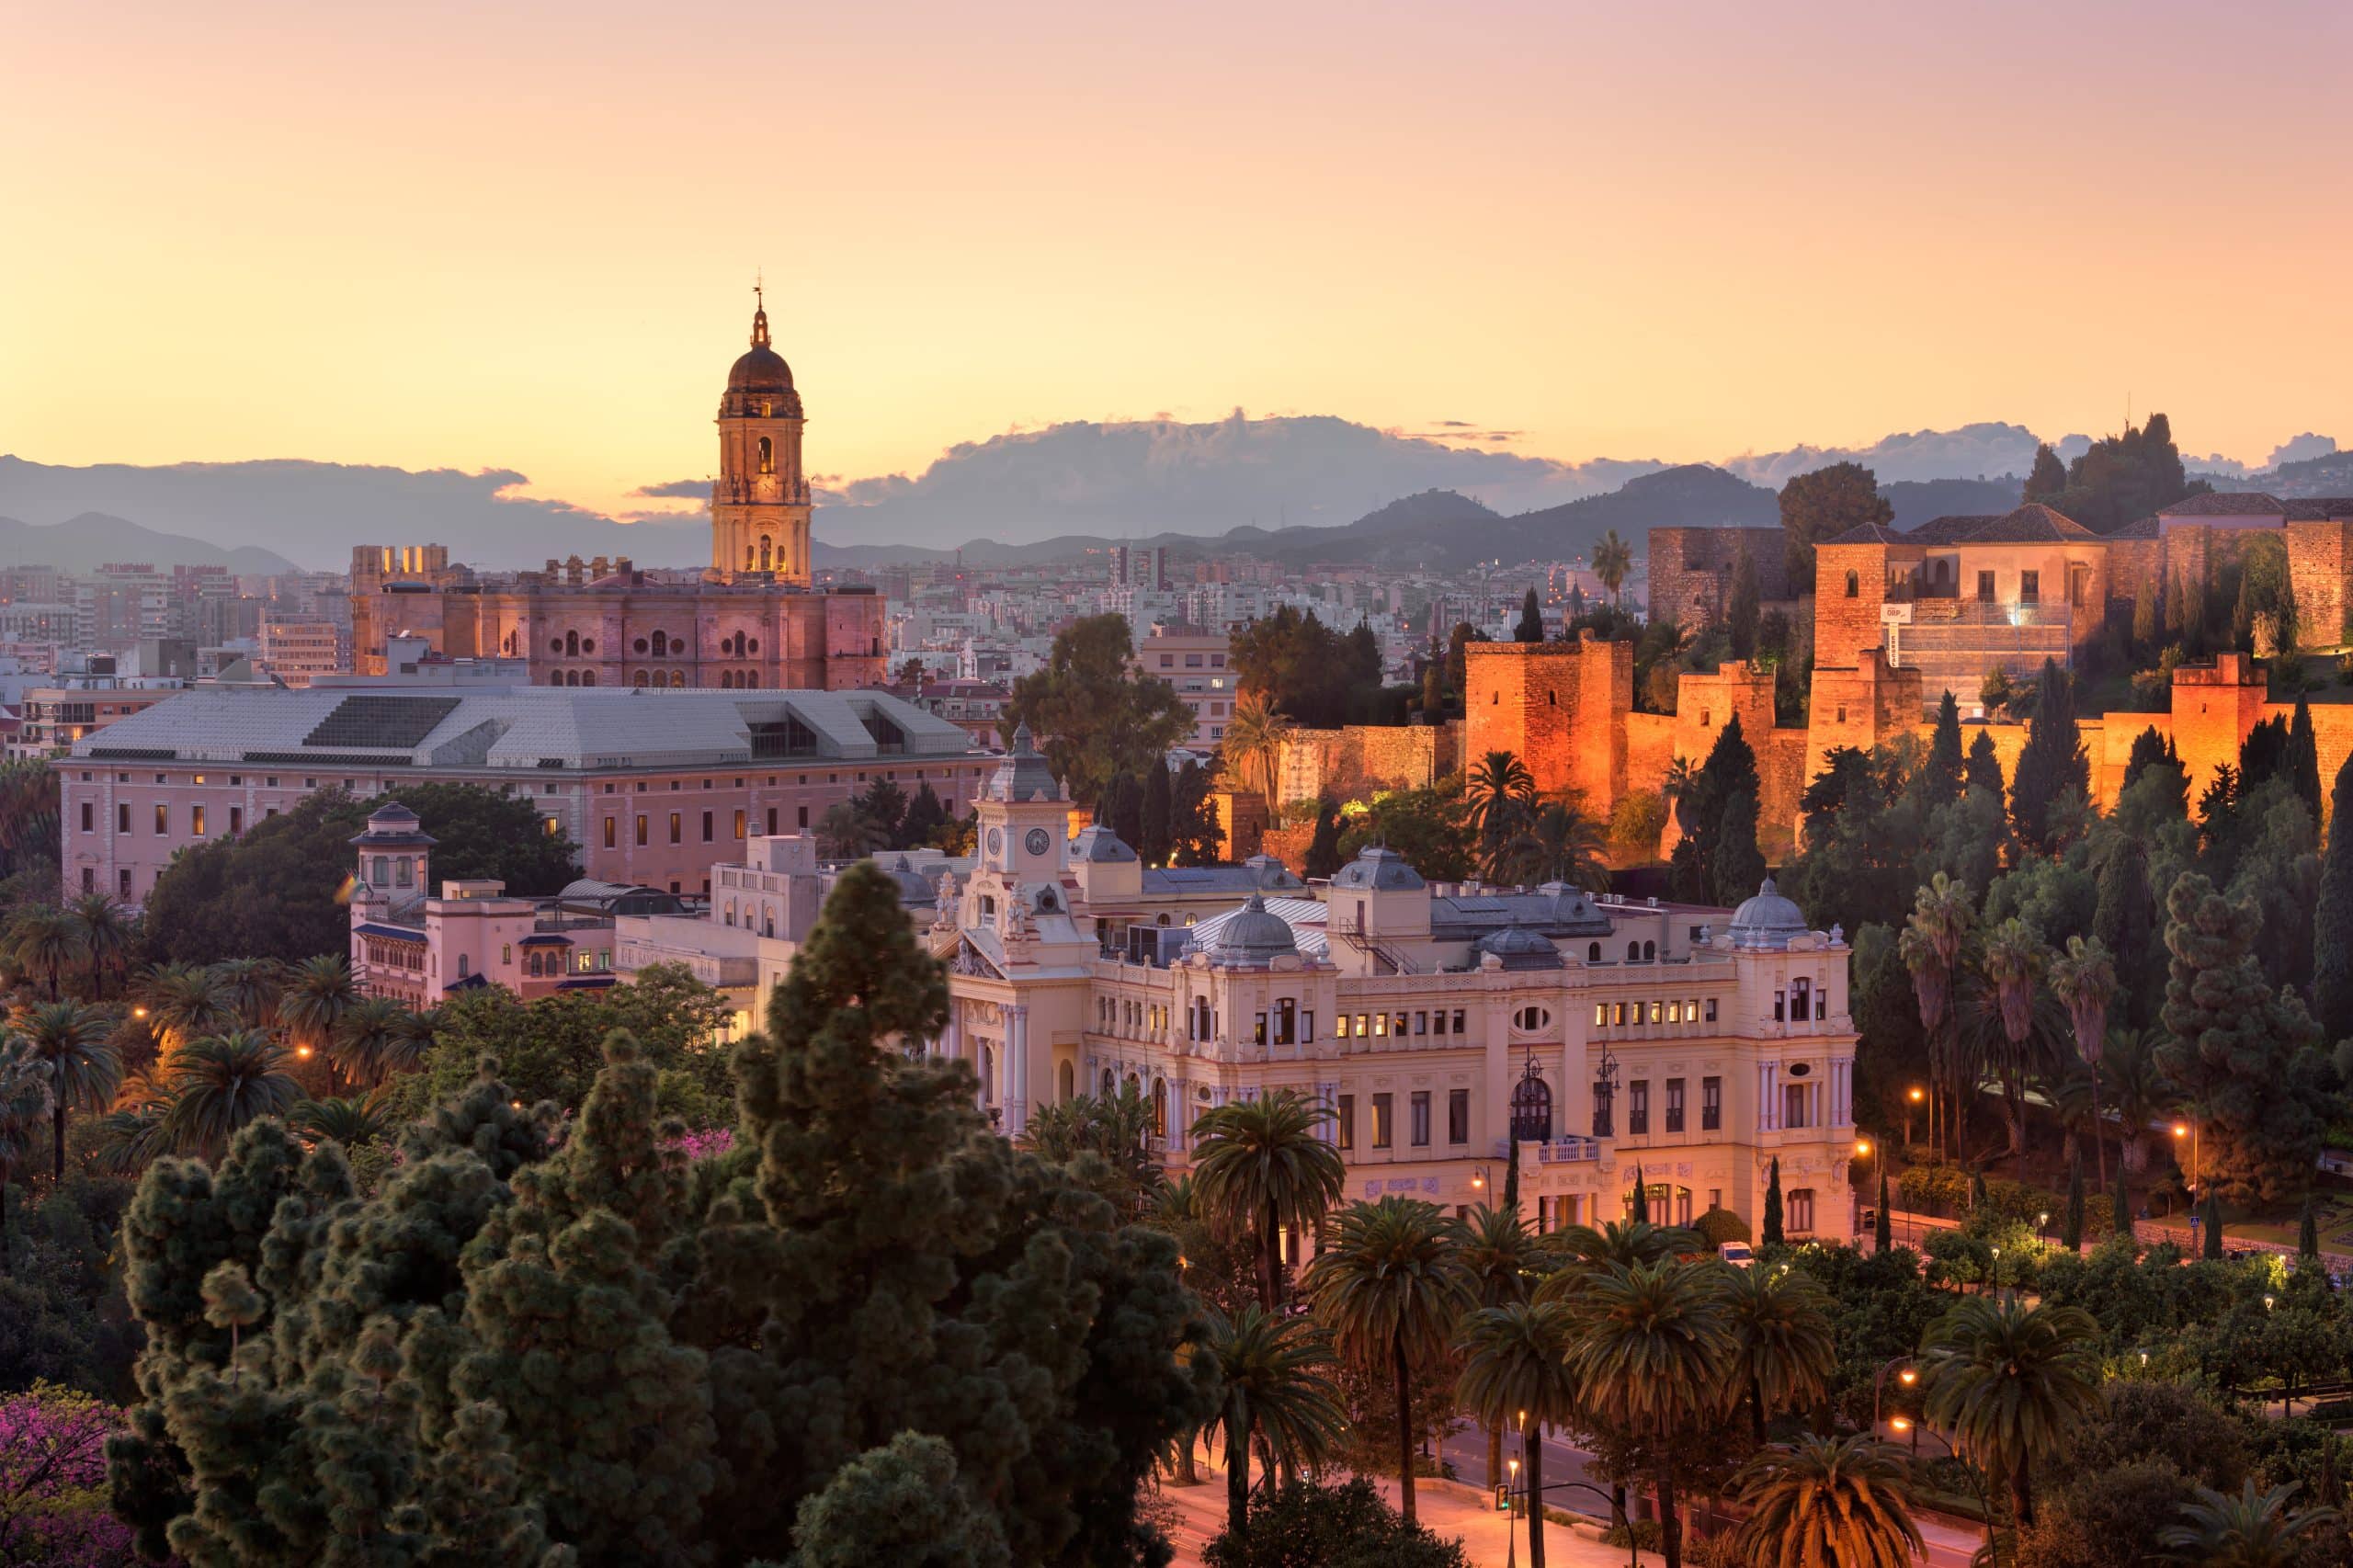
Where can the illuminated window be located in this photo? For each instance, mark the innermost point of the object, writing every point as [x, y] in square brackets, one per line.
[767, 457]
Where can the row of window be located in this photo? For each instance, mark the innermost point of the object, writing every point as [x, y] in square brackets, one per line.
[1638, 1105]
[1417, 1123]
[678, 822]
[1669, 1011]
[196, 818]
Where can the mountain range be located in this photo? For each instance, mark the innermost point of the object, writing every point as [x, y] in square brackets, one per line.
[1298, 489]
[92, 539]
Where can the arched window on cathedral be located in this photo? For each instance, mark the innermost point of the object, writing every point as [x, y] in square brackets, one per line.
[748, 557]
[764, 553]
[588, 677]
[571, 644]
[678, 680]
[638, 679]
[767, 457]
[661, 644]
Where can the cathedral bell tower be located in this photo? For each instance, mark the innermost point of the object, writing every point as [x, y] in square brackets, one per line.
[759, 503]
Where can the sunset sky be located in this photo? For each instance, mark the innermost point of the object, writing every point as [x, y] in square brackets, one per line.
[503, 235]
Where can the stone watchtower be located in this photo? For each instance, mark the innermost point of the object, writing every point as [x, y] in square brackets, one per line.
[759, 503]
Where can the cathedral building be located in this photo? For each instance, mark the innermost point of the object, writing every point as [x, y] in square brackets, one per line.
[750, 622]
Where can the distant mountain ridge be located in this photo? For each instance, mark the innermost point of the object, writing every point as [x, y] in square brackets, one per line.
[84, 543]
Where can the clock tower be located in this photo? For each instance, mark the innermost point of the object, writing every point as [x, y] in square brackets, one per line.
[759, 503]
[1021, 888]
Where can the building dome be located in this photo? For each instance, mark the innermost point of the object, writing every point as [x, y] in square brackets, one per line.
[1768, 920]
[1267, 872]
[1099, 846]
[762, 369]
[393, 826]
[914, 890]
[1379, 868]
[1253, 936]
[1520, 947]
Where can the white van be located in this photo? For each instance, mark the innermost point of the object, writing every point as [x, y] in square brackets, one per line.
[1737, 1255]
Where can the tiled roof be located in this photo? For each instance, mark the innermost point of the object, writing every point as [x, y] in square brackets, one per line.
[2033, 523]
[2140, 528]
[525, 726]
[2320, 508]
[393, 933]
[2227, 504]
[1948, 530]
[1868, 533]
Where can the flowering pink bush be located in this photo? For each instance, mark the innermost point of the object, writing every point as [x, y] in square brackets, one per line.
[703, 1145]
[53, 1482]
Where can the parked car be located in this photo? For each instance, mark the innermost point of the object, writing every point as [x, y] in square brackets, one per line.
[1737, 1254]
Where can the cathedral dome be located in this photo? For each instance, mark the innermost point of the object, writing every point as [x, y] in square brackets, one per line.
[761, 369]
[1768, 921]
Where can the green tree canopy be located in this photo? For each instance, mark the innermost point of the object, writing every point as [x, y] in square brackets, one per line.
[1094, 716]
[1822, 504]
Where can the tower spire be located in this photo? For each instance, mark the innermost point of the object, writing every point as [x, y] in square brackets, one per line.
[759, 312]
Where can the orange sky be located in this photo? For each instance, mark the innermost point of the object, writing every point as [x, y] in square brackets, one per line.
[447, 235]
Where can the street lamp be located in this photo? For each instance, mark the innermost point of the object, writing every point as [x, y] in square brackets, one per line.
[2189, 1132]
[1912, 1098]
[1901, 1425]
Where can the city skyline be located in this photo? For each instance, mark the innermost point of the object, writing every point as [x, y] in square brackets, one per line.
[1830, 227]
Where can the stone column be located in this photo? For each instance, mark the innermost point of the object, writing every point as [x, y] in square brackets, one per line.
[1016, 1069]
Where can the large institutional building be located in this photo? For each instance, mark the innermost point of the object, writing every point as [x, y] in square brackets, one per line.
[751, 621]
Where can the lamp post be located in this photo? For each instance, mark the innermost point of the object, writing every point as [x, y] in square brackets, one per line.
[1863, 1157]
[1909, 1376]
[1511, 1530]
[1901, 1425]
[1912, 1098]
[2189, 1132]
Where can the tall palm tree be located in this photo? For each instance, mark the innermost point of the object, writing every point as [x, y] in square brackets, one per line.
[1613, 559]
[1656, 1354]
[1822, 1501]
[1390, 1287]
[137, 1130]
[1500, 791]
[2005, 1018]
[221, 1083]
[1516, 1373]
[107, 933]
[251, 987]
[1259, 1165]
[377, 1040]
[2008, 1383]
[1504, 1259]
[1254, 735]
[1626, 1243]
[46, 942]
[2250, 1530]
[23, 1106]
[184, 1002]
[2140, 1091]
[2084, 980]
[85, 1069]
[1785, 1350]
[1560, 844]
[1273, 1389]
[1931, 947]
[317, 997]
[366, 1119]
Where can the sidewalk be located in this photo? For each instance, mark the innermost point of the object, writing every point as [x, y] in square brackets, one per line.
[1449, 1509]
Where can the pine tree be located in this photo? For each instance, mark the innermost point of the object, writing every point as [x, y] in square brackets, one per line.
[1985, 768]
[1531, 619]
[1152, 833]
[2047, 477]
[2333, 917]
[2071, 1230]
[2148, 747]
[1769, 1232]
[1941, 775]
[2235, 1047]
[2053, 761]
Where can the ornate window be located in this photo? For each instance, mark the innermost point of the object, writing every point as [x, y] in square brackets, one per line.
[767, 457]
[1532, 1109]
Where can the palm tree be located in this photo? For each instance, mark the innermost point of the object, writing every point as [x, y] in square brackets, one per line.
[1561, 843]
[251, 987]
[1501, 794]
[1273, 1389]
[2008, 1383]
[221, 1083]
[377, 1038]
[1261, 1165]
[1786, 1352]
[85, 1069]
[318, 996]
[2250, 1530]
[137, 1130]
[1821, 1501]
[350, 1121]
[1390, 1288]
[1656, 1354]
[46, 942]
[1516, 1371]
[1626, 1243]
[1613, 559]
[184, 1002]
[845, 833]
[2140, 1091]
[23, 1106]
[2005, 1018]
[1504, 1259]
[106, 932]
[1254, 735]
[1930, 947]
[2084, 980]
[1116, 1129]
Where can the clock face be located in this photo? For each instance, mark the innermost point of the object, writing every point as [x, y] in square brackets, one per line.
[1037, 842]
[996, 841]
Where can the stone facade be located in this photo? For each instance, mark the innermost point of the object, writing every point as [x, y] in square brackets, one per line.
[1559, 707]
[1353, 762]
[1691, 571]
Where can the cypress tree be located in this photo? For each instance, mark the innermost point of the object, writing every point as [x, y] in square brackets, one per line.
[2211, 1243]
[2053, 760]
[1976, 1191]
[1641, 1213]
[2308, 1229]
[2121, 1212]
[1123, 802]
[1882, 1227]
[1740, 865]
[1159, 801]
[2302, 763]
[1985, 769]
[1324, 848]
[2333, 917]
[2125, 921]
[1511, 1170]
[2071, 1230]
[1942, 776]
[1532, 619]
[2047, 477]
[2148, 746]
[1769, 1232]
